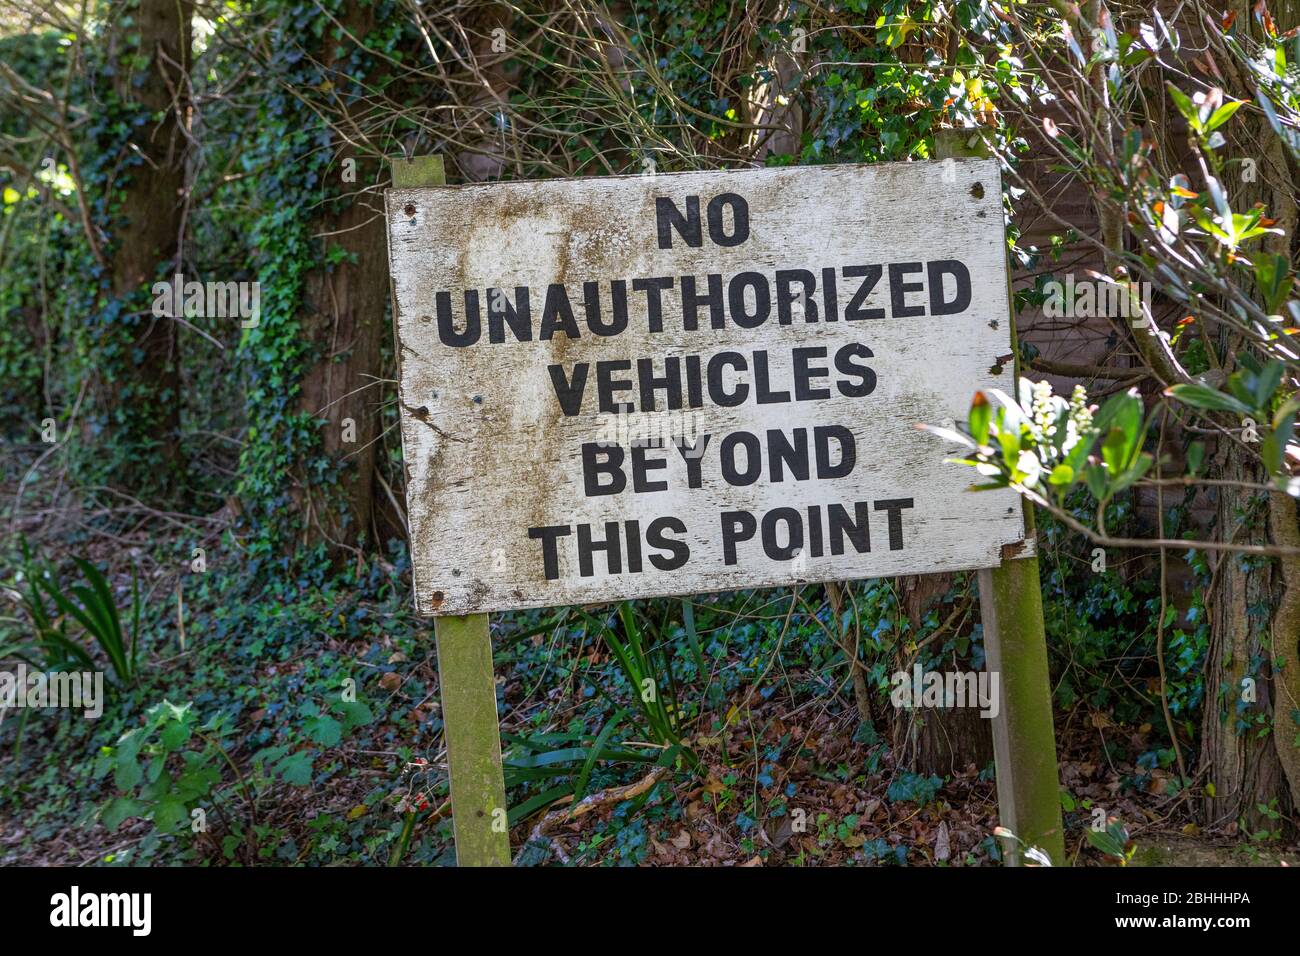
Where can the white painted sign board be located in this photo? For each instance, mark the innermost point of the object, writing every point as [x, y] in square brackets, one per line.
[656, 385]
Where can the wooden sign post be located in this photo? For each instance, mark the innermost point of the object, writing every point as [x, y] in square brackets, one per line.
[470, 724]
[1015, 646]
[646, 386]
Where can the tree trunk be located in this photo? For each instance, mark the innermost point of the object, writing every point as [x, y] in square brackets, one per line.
[1248, 747]
[137, 373]
[1239, 759]
[342, 319]
[939, 740]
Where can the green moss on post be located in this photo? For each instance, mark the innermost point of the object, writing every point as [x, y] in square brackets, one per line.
[418, 171]
[1024, 740]
[1015, 647]
[473, 735]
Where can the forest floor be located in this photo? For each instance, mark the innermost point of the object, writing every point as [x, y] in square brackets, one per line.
[257, 668]
[859, 811]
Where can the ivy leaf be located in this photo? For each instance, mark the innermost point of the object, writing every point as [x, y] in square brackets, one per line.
[355, 714]
[1095, 477]
[1284, 418]
[1107, 842]
[1185, 106]
[1061, 475]
[1125, 435]
[1266, 383]
[1133, 473]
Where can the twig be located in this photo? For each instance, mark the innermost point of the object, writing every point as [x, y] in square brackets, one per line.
[593, 801]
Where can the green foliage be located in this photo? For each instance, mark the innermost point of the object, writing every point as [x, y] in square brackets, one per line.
[1101, 628]
[1255, 392]
[291, 155]
[159, 788]
[40, 243]
[914, 788]
[296, 157]
[1044, 444]
[1114, 842]
[550, 766]
[91, 606]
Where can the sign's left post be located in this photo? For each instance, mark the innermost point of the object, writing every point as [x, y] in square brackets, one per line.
[469, 695]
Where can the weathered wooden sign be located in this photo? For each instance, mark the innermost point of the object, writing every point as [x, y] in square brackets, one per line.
[642, 386]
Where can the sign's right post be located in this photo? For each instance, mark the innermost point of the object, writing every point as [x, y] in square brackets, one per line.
[1015, 647]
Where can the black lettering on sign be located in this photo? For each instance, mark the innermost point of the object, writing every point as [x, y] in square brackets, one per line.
[935, 271]
[447, 322]
[588, 546]
[692, 454]
[784, 453]
[739, 219]
[793, 534]
[716, 364]
[597, 460]
[804, 374]
[815, 531]
[731, 472]
[692, 300]
[898, 289]
[503, 312]
[568, 391]
[828, 295]
[641, 467]
[762, 299]
[633, 529]
[822, 437]
[845, 365]
[669, 218]
[549, 535]
[785, 278]
[856, 528]
[557, 313]
[671, 382]
[895, 506]
[653, 289]
[763, 382]
[678, 551]
[736, 526]
[607, 385]
[870, 275]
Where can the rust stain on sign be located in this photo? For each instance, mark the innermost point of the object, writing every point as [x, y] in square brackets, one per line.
[693, 382]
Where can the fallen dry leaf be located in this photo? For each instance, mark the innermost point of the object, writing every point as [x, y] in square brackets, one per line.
[942, 849]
